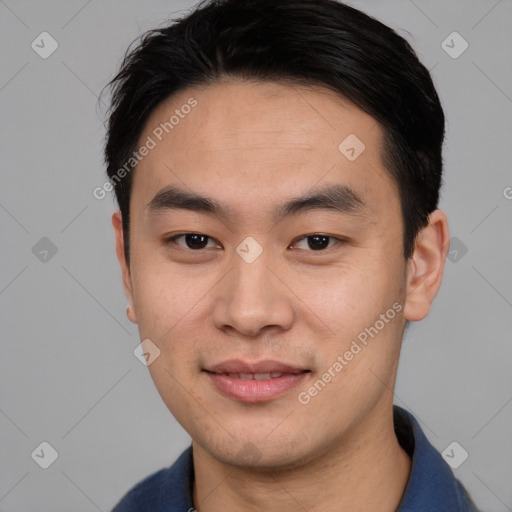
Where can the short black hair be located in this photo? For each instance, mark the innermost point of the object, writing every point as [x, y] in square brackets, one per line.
[302, 42]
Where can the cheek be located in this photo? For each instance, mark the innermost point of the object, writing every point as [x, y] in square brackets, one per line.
[346, 300]
[176, 389]
[162, 295]
[173, 310]
[362, 311]
[359, 308]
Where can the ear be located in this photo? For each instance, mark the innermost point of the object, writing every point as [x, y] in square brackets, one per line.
[425, 267]
[117, 223]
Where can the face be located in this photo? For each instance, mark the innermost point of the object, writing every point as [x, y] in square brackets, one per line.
[267, 268]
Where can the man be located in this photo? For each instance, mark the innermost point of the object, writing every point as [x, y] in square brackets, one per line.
[277, 167]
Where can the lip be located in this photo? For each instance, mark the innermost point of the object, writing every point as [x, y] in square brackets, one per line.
[255, 390]
[266, 366]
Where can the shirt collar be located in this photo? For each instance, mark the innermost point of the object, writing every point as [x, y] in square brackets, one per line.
[431, 485]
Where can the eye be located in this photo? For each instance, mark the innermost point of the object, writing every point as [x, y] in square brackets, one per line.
[194, 241]
[316, 242]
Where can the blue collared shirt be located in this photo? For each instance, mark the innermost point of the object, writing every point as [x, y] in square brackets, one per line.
[432, 486]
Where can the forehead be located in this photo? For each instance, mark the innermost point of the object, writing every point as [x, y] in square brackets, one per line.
[258, 143]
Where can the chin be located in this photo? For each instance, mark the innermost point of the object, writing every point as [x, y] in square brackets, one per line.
[260, 454]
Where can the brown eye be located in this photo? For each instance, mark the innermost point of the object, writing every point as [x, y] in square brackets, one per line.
[194, 241]
[316, 242]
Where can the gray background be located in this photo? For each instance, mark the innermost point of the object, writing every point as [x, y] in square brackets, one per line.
[67, 372]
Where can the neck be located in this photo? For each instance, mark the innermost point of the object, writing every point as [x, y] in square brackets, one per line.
[367, 471]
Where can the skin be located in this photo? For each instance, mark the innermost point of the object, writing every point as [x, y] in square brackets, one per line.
[252, 147]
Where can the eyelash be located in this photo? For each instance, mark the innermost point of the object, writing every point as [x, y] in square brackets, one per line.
[172, 240]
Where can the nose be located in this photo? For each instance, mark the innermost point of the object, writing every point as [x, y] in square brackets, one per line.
[253, 299]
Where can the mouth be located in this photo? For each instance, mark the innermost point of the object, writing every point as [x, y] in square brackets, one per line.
[255, 382]
[255, 376]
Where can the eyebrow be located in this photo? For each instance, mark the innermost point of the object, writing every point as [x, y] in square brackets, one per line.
[336, 197]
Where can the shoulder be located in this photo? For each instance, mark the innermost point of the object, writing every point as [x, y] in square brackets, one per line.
[158, 492]
[432, 484]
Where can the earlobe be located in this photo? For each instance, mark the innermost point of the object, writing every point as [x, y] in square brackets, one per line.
[426, 265]
[130, 314]
[117, 223]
